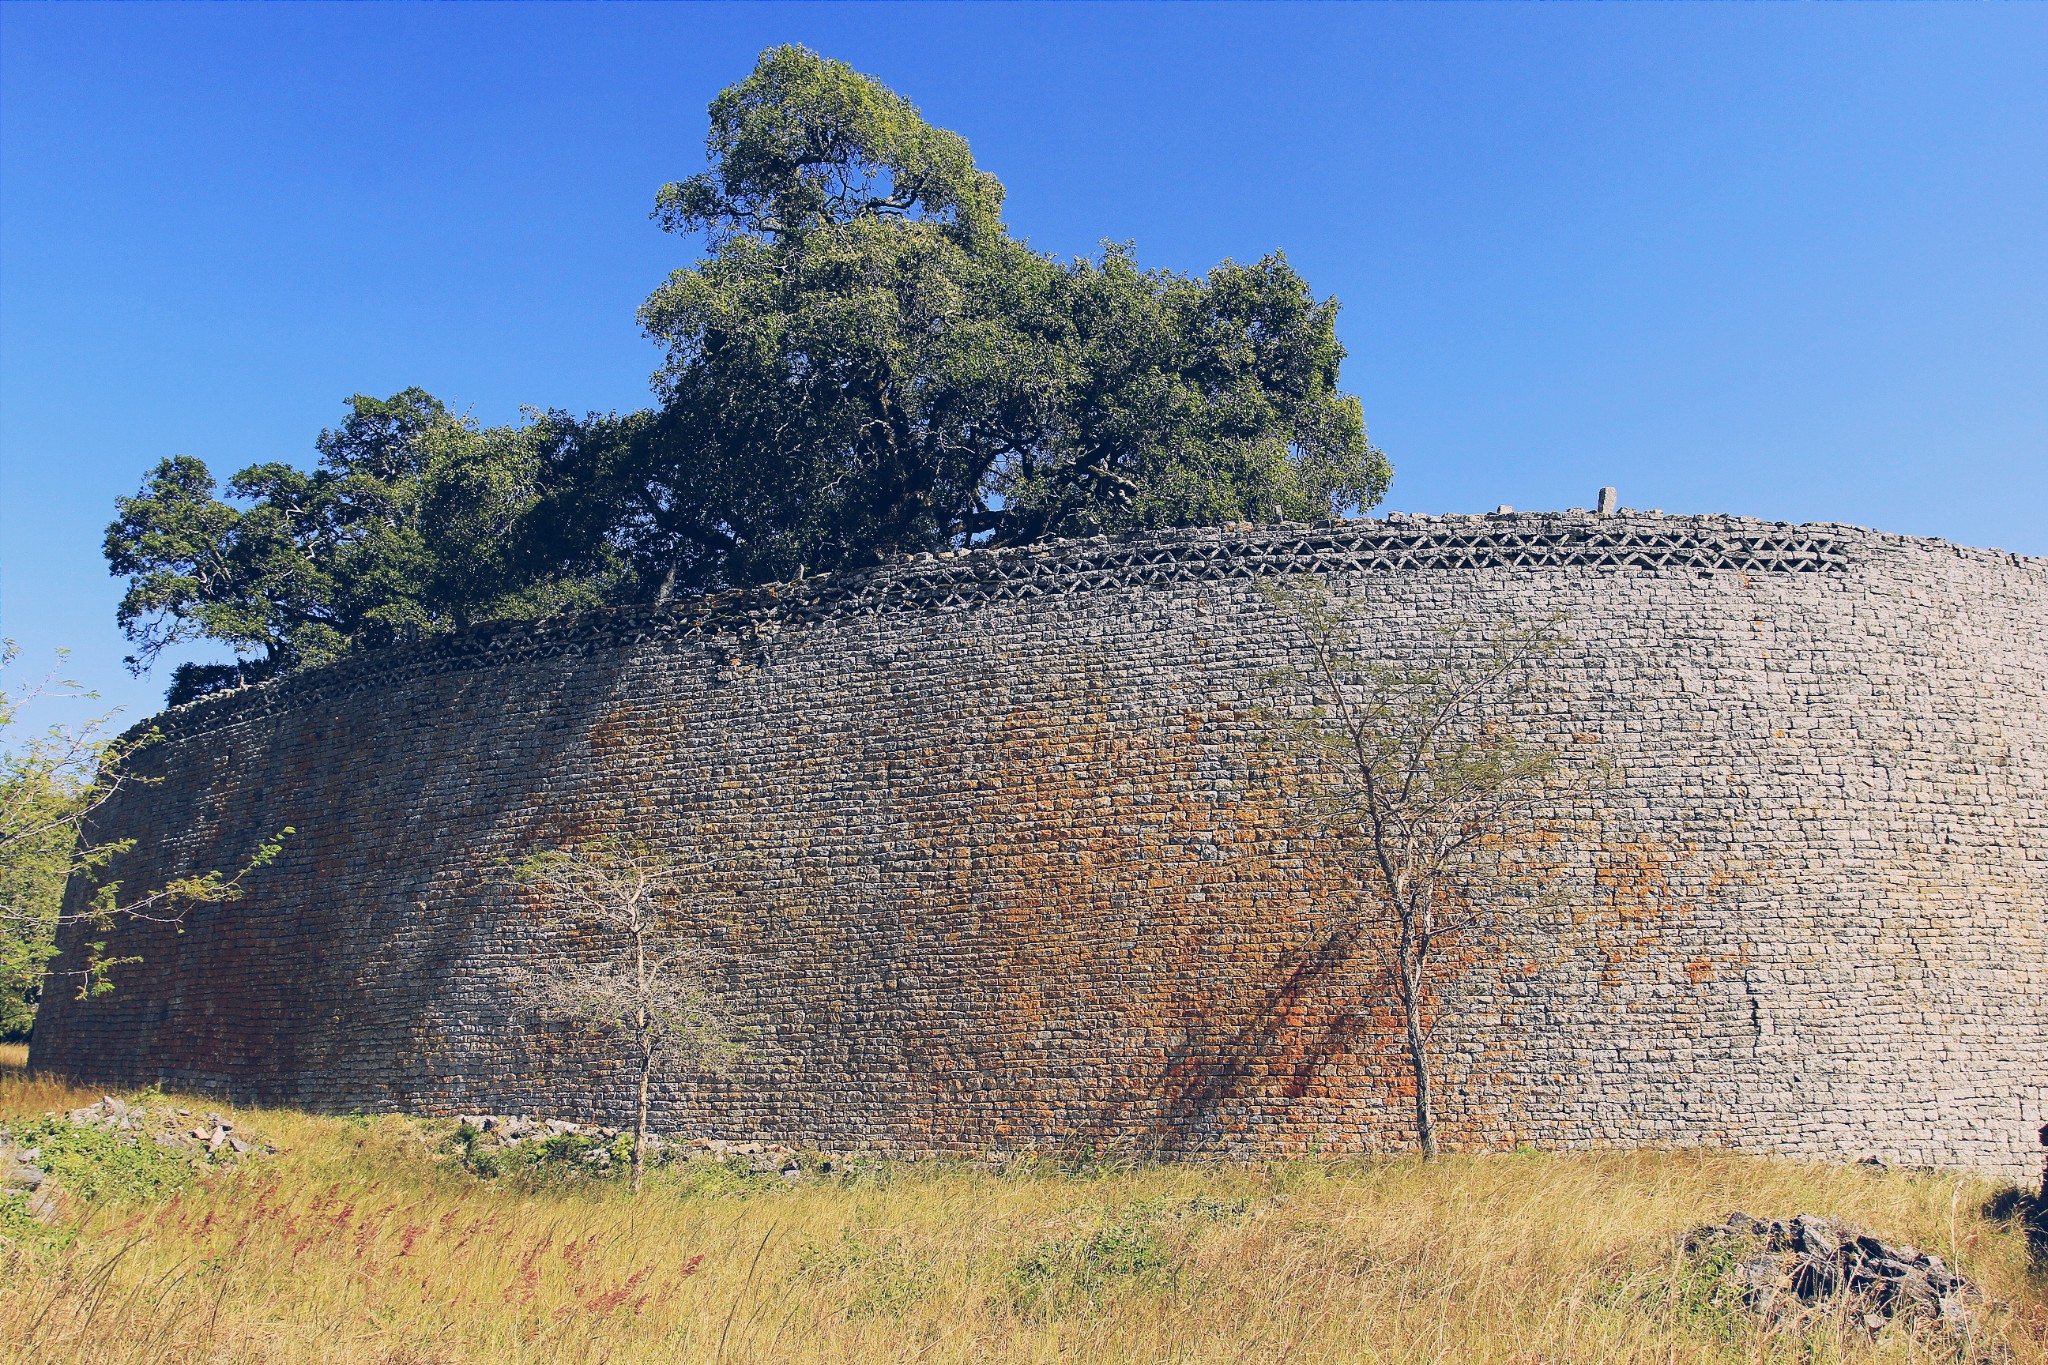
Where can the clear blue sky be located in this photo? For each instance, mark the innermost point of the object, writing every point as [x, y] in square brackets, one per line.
[1785, 261]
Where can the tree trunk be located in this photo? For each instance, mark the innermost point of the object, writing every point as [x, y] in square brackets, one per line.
[640, 1121]
[644, 1026]
[1418, 1060]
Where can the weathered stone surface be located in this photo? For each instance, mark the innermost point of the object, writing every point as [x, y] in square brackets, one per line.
[1019, 874]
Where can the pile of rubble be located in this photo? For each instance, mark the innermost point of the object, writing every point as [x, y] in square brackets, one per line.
[207, 1140]
[1783, 1267]
[205, 1134]
[762, 1158]
[22, 1178]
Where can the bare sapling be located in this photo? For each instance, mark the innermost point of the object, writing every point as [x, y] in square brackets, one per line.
[1427, 782]
[632, 964]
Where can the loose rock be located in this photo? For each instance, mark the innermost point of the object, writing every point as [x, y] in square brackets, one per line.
[499, 1131]
[1809, 1260]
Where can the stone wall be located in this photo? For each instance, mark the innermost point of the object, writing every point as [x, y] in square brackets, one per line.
[1016, 870]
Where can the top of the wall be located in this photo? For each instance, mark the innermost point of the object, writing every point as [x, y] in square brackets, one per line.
[939, 582]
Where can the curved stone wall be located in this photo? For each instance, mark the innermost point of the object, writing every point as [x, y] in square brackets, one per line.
[1017, 871]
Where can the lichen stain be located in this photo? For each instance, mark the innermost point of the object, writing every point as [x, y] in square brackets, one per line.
[1095, 861]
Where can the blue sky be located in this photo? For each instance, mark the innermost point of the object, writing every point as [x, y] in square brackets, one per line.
[1785, 261]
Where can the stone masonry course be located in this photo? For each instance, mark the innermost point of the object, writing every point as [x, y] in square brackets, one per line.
[1014, 864]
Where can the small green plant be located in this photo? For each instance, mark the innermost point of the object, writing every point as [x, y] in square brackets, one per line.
[1079, 1274]
[732, 1177]
[21, 1230]
[882, 1277]
[869, 1173]
[1207, 1210]
[478, 1160]
[1090, 1161]
[1702, 1295]
[560, 1158]
[1137, 1248]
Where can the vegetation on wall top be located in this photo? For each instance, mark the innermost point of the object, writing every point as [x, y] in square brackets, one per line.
[865, 361]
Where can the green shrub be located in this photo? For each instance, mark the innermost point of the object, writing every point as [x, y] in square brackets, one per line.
[561, 1158]
[1702, 1293]
[94, 1164]
[21, 1230]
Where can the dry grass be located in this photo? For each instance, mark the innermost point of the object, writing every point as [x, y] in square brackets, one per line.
[354, 1244]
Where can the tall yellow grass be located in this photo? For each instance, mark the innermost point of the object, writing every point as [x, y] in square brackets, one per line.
[355, 1244]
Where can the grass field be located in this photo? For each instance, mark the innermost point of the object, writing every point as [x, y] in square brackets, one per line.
[360, 1240]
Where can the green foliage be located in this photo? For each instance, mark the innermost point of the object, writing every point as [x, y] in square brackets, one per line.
[729, 1177]
[20, 1229]
[1702, 1293]
[46, 788]
[865, 362]
[880, 1275]
[1080, 1161]
[1124, 1253]
[414, 523]
[561, 1158]
[95, 1164]
[806, 143]
[1137, 1248]
[1197, 400]
[584, 1158]
[50, 785]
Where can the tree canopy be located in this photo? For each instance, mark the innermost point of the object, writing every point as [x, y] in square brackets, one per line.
[865, 361]
[413, 523]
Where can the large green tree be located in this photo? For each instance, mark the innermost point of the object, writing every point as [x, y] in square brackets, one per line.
[865, 361]
[412, 524]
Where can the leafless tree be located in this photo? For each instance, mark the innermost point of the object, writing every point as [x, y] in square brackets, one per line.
[1426, 779]
[629, 966]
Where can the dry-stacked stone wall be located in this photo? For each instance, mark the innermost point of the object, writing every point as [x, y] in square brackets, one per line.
[1010, 866]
